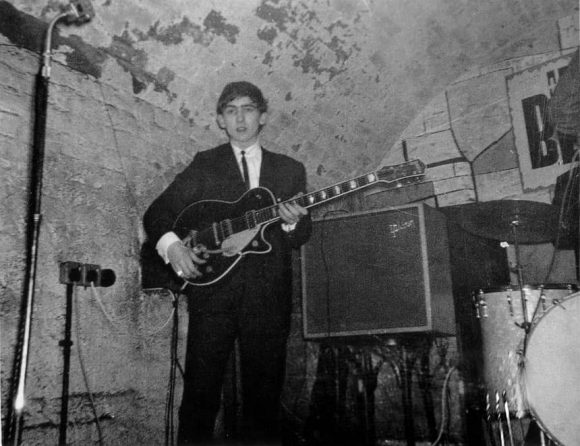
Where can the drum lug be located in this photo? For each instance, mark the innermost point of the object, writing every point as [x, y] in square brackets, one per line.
[509, 301]
[543, 299]
[557, 303]
[480, 305]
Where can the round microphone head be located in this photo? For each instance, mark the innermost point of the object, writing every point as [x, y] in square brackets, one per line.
[108, 277]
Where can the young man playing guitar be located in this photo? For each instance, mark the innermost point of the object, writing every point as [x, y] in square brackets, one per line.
[240, 284]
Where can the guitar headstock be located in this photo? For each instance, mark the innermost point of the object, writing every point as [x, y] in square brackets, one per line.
[401, 174]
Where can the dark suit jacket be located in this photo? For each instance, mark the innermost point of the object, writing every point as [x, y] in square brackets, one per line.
[214, 175]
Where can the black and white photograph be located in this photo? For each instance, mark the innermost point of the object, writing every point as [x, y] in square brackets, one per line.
[290, 222]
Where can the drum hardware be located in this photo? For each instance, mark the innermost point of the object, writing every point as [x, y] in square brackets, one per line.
[488, 419]
[534, 374]
[501, 411]
[515, 222]
[525, 325]
[504, 343]
[536, 222]
[542, 438]
[543, 300]
[530, 349]
[507, 417]
[479, 304]
[499, 422]
[571, 289]
[510, 306]
[512, 221]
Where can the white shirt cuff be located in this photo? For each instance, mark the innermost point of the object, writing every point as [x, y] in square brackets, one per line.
[288, 228]
[164, 242]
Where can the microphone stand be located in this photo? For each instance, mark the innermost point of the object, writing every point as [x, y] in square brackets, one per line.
[526, 323]
[66, 343]
[15, 423]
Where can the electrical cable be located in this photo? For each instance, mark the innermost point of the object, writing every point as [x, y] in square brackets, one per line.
[97, 296]
[443, 408]
[174, 362]
[169, 401]
[83, 368]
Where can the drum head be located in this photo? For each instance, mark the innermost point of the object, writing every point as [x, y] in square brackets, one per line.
[552, 371]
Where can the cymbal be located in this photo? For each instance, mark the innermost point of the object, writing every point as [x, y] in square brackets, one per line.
[505, 220]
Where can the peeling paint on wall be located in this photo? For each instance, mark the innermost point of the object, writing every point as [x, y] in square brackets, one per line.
[174, 34]
[315, 47]
[135, 61]
[29, 32]
[216, 24]
[267, 34]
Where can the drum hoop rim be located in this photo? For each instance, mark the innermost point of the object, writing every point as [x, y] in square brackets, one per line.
[543, 426]
[546, 312]
[546, 286]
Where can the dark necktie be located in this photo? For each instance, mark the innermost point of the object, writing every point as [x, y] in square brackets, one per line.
[245, 170]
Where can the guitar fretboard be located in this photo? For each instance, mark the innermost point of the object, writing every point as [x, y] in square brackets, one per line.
[398, 175]
[320, 196]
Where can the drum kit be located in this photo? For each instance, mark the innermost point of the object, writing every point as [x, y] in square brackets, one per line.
[530, 333]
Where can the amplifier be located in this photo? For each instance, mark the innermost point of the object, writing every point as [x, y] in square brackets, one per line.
[385, 271]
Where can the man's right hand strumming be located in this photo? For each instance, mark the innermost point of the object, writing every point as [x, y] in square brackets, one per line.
[184, 260]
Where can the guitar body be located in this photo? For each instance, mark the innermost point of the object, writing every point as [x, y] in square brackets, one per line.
[207, 223]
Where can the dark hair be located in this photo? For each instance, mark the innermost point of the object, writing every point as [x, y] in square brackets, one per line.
[235, 90]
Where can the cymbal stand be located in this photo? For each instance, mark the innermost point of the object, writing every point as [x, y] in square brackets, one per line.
[526, 323]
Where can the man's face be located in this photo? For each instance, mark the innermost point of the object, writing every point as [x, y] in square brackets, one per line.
[242, 121]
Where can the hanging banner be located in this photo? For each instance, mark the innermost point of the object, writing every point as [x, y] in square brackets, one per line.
[542, 158]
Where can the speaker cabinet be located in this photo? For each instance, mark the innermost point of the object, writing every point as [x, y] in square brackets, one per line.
[384, 271]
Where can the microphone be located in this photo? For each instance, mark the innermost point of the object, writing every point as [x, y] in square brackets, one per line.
[99, 277]
[108, 277]
[81, 11]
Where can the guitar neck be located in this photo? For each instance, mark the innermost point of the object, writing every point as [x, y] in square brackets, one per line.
[390, 175]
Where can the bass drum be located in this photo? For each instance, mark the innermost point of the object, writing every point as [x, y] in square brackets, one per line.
[501, 316]
[551, 372]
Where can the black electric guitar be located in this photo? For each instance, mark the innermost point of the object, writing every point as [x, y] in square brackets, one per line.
[224, 232]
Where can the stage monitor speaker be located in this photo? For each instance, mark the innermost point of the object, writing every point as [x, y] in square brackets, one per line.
[383, 271]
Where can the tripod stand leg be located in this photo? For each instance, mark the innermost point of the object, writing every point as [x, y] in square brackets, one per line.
[66, 344]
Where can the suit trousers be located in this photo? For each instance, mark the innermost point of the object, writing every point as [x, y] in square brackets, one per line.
[255, 310]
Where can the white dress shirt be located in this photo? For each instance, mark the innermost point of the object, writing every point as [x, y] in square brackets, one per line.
[253, 156]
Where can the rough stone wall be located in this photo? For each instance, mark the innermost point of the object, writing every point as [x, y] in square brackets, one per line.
[104, 162]
[131, 99]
